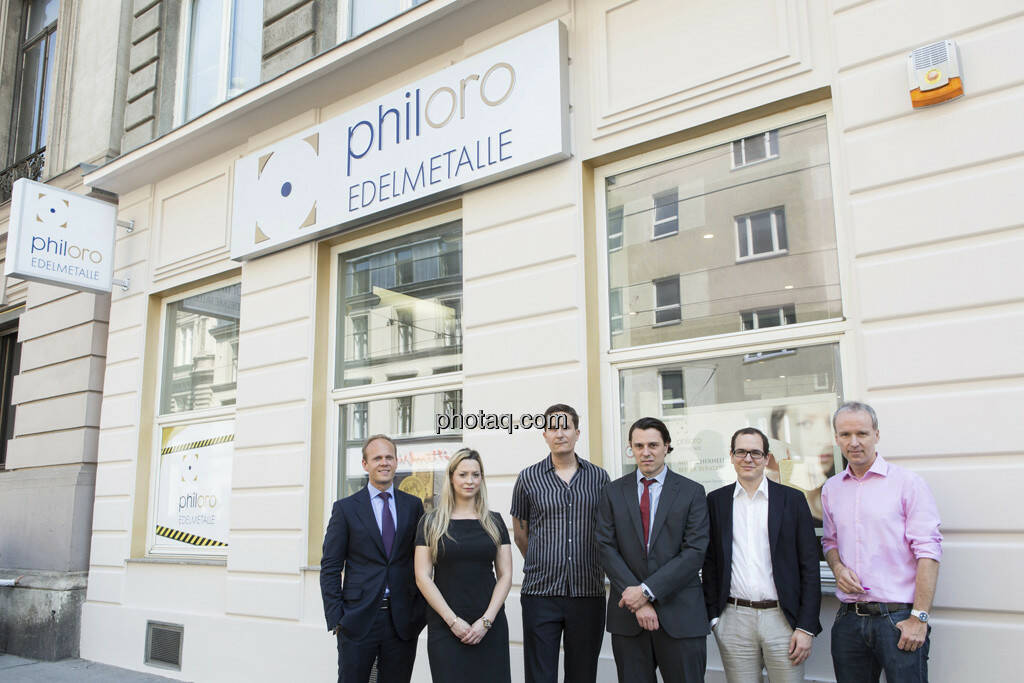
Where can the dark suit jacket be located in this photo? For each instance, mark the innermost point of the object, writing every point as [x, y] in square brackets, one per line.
[679, 538]
[353, 545]
[794, 549]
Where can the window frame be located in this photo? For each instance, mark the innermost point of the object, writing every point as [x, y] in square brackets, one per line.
[773, 214]
[658, 308]
[769, 136]
[345, 18]
[783, 310]
[389, 389]
[655, 221]
[25, 43]
[182, 419]
[223, 66]
[620, 212]
[833, 330]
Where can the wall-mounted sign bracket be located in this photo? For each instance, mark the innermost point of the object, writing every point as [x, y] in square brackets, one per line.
[123, 284]
[129, 226]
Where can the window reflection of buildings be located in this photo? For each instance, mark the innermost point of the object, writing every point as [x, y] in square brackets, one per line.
[403, 311]
[205, 367]
[779, 200]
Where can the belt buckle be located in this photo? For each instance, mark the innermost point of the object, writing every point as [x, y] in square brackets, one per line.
[856, 610]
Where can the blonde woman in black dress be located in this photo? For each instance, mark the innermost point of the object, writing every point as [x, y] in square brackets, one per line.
[464, 570]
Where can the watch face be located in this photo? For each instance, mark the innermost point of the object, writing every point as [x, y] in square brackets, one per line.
[921, 614]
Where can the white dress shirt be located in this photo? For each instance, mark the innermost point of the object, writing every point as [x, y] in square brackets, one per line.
[752, 577]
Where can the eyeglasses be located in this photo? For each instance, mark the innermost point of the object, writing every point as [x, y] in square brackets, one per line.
[741, 454]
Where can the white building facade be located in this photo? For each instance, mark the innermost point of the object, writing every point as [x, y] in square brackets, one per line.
[741, 220]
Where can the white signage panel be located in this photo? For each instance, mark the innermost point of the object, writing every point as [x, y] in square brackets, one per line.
[194, 487]
[500, 112]
[60, 237]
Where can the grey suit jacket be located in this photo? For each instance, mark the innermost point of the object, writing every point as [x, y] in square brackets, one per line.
[679, 539]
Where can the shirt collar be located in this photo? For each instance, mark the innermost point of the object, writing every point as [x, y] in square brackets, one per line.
[551, 461]
[374, 491]
[762, 488]
[660, 478]
[879, 467]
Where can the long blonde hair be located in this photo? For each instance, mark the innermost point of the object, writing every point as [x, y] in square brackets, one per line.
[437, 520]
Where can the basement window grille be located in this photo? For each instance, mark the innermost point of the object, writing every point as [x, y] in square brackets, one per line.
[163, 644]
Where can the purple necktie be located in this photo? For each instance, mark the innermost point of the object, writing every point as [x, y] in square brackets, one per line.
[387, 525]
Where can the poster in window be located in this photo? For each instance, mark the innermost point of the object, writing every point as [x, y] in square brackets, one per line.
[194, 486]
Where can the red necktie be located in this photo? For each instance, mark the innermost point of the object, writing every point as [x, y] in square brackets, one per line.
[645, 509]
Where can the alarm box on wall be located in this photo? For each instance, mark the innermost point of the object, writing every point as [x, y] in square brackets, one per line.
[934, 73]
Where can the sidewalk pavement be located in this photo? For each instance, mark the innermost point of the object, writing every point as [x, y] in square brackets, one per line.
[78, 670]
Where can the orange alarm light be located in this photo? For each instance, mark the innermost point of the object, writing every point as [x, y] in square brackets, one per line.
[934, 74]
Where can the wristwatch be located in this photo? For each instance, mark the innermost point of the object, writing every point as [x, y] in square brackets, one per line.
[647, 594]
[488, 623]
[920, 614]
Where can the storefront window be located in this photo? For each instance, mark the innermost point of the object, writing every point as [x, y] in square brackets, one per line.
[398, 355]
[423, 449]
[705, 238]
[401, 308]
[789, 394]
[195, 427]
[201, 351]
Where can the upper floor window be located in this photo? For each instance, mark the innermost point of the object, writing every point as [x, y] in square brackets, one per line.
[363, 15]
[615, 216]
[666, 214]
[762, 233]
[755, 148]
[30, 116]
[223, 53]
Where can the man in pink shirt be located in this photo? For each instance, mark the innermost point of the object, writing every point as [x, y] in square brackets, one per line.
[882, 541]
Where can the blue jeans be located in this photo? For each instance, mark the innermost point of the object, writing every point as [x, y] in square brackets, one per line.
[863, 647]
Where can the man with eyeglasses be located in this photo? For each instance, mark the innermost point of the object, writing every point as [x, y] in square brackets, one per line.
[882, 540]
[762, 584]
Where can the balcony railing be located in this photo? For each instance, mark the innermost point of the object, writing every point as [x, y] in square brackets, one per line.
[30, 167]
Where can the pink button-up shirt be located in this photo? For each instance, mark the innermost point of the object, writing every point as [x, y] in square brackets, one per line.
[882, 524]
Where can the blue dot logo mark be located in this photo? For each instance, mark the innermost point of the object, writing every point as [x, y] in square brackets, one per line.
[286, 189]
[53, 210]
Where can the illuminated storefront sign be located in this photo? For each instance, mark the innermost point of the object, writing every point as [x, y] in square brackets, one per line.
[501, 112]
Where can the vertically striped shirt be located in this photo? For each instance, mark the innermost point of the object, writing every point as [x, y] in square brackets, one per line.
[562, 558]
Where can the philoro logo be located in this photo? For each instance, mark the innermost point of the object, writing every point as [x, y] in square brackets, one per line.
[48, 245]
[437, 110]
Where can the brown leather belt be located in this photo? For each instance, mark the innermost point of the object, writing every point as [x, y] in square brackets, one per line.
[756, 604]
[874, 609]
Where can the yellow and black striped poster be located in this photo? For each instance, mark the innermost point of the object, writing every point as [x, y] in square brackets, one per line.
[194, 486]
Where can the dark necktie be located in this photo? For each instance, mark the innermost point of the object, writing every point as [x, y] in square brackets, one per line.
[387, 525]
[645, 509]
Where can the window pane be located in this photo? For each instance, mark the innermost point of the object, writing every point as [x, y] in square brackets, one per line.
[712, 200]
[46, 91]
[32, 79]
[423, 454]
[409, 292]
[200, 363]
[365, 14]
[761, 232]
[204, 47]
[788, 394]
[246, 46]
[41, 13]
[671, 392]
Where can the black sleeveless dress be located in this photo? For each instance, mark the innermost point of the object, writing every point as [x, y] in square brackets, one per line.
[464, 574]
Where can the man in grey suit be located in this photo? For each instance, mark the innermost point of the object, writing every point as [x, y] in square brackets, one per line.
[652, 528]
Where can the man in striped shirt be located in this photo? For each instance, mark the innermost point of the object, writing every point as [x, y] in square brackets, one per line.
[554, 506]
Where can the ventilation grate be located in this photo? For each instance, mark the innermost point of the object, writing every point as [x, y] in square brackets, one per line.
[930, 55]
[163, 644]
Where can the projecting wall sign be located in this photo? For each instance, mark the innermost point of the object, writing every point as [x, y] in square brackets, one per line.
[498, 113]
[60, 237]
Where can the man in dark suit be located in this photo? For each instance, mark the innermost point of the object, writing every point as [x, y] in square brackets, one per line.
[652, 528]
[377, 613]
[762, 581]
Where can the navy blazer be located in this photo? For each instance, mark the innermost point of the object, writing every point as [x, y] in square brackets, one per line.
[679, 537]
[353, 546]
[794, 550]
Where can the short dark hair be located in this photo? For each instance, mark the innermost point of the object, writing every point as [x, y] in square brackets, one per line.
[375, 437]
[752, 431]
[652, 423]
[563, 408]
